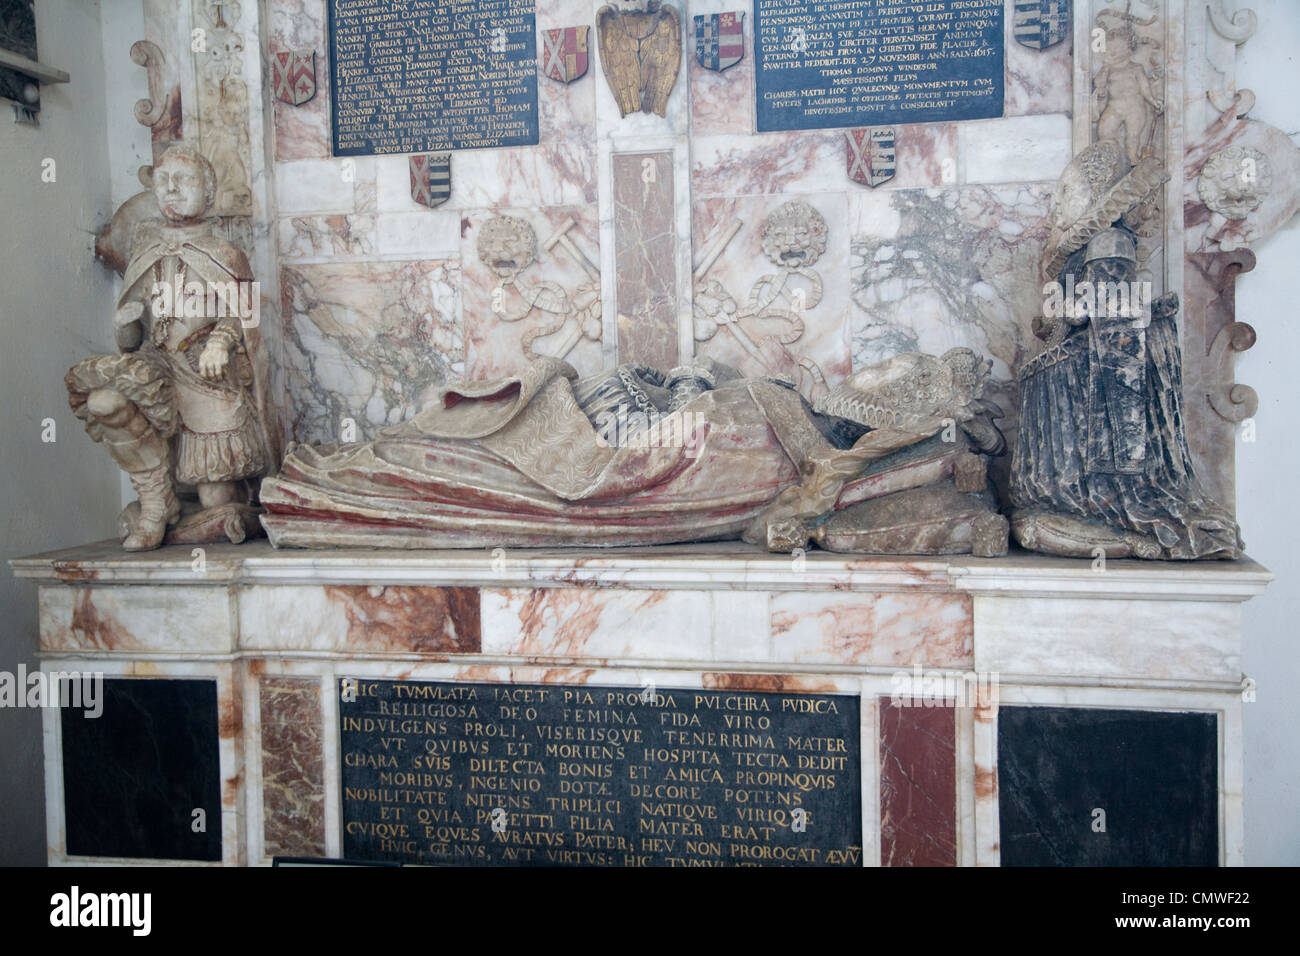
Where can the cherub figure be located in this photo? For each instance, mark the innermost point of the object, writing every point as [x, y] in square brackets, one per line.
[1124, 101]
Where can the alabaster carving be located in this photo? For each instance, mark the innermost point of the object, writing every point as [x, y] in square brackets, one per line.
[223, 105]
[794, 235]
[1101, 463]
[1234, 181]
[641, 53]
[176, 408]
[508, 246]
[634, 456]
[161, 111]
[1126, 98]
[793, 238]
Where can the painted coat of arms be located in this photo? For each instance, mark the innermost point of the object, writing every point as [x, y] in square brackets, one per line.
[1041, 23]
[565, 54]
[871, 155]
[719, 40]
[431, 178]
[293, 76]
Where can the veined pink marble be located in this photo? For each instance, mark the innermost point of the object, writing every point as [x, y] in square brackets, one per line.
[1037, 81]
[721, 102]
[570, 320]
[769, 683]
[427, 620]
[327, 237]
[301, 132]
[367, 341]
[144, 618]
[552, 174]
[810, 308]
[773, 163]
[645, 245]
[567, 110]
[524, 675]
[597, 623]
[925, 154]
[886, 629]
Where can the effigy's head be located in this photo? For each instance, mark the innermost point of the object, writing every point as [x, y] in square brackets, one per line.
[1085, 181]
[507, 245]
[794, 235]
[911, 389]
[184, 184]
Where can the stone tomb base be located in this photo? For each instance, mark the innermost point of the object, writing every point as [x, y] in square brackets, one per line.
[931, 711]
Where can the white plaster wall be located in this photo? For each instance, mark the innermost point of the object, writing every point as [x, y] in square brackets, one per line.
[54, 309]
[1267, 470]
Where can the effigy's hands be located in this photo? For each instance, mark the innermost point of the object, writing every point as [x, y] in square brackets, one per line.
[213, 360]
[128, 313]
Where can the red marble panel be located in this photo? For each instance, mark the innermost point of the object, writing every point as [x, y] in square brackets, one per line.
[645, 246]
[918, 785]
[293, 768]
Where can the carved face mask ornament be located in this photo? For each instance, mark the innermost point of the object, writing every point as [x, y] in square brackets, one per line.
[794, 236]
[507, 245]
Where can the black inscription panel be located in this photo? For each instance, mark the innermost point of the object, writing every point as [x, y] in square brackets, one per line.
[525, 774]
[415, 76]
[834, 63]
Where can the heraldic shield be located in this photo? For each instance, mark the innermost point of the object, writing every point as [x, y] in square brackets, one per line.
[1041, 23]
[431, 178]
[719, 40]
[564, 57]
[871, 155]
[293, 76]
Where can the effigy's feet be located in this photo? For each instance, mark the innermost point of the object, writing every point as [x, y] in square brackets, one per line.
[936, 519]
[233, 522]
[1072, 537]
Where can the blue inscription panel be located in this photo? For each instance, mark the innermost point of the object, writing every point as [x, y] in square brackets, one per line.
[417, 76]
[574, 774]
[837, 63]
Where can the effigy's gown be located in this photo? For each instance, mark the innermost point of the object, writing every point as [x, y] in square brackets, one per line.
[520, 461]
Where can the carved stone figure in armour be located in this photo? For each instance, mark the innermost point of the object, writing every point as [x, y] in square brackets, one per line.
[1101, 462]
[889, 462]
[175, 408]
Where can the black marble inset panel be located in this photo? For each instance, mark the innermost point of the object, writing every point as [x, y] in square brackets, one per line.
[134, 775]
[1153, 774]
